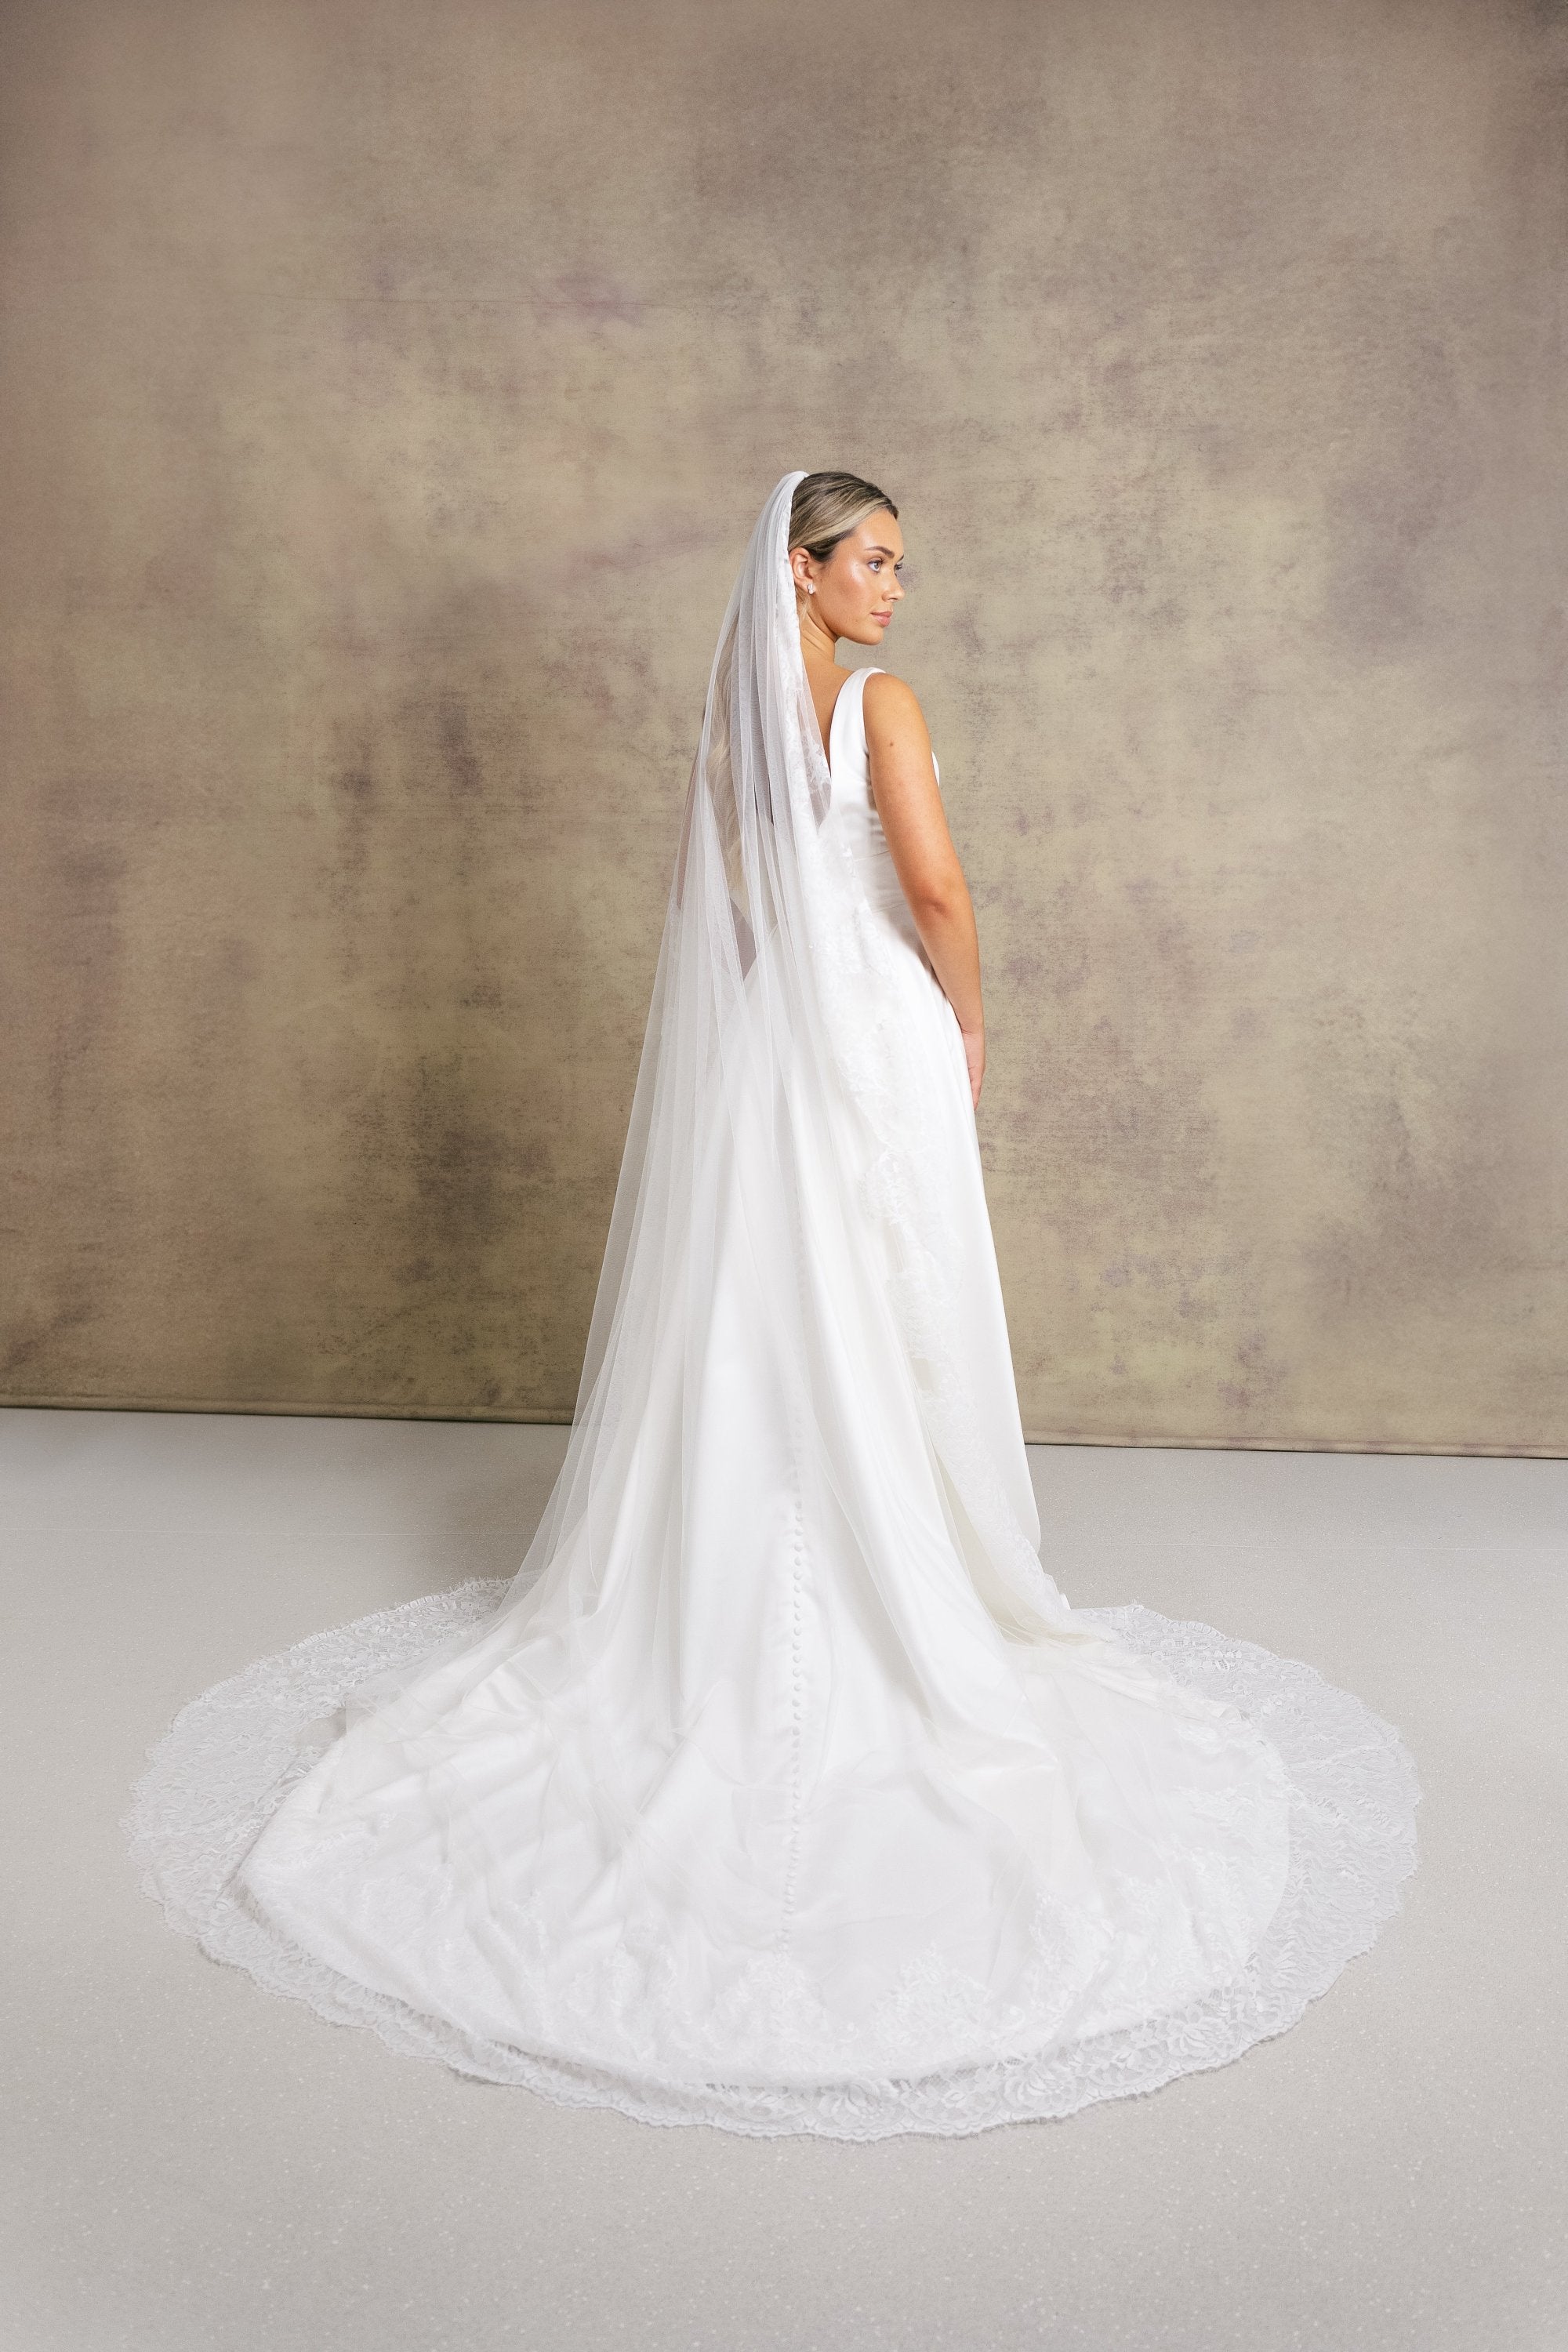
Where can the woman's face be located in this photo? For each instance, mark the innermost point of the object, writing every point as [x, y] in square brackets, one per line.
[853, 594]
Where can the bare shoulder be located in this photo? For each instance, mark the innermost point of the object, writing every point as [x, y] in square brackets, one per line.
[892, 708]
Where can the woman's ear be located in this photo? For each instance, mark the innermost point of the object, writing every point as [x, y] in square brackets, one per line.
[800, 565]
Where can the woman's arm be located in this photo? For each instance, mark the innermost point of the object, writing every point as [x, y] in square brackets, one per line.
[904, 787]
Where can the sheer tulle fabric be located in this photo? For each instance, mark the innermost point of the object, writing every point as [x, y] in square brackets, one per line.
[782, 1787]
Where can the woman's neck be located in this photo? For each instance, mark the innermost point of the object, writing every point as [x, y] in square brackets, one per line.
[818, 645]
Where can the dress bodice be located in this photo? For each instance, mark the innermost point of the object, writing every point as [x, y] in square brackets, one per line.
[855, 809]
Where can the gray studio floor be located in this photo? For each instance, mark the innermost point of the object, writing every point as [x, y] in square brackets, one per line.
[198, 2166]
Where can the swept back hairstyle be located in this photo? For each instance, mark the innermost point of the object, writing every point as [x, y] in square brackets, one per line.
[827, 508]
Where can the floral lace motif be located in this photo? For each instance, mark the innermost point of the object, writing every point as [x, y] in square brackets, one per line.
[216, 1775]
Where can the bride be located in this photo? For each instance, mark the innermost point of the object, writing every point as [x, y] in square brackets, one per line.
[781, 1787]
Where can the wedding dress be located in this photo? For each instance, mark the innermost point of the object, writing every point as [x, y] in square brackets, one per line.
[782, 1788]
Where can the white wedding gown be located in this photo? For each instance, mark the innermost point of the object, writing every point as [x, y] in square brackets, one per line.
[809, 1804]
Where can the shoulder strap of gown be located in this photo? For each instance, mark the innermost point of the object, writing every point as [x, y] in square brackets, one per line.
[861, 676]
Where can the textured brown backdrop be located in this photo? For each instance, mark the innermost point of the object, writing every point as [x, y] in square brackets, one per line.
[391, 388]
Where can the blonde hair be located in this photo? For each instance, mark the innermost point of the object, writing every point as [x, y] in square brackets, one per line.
[825, 509]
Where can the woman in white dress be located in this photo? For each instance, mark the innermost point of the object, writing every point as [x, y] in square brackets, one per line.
[781, 1787]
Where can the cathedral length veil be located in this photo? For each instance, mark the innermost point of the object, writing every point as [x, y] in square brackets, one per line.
[782, 1787]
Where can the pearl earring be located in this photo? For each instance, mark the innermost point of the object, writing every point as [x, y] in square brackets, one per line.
[811, 587]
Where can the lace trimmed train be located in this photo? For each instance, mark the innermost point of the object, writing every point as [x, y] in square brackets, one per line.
[233, 1754]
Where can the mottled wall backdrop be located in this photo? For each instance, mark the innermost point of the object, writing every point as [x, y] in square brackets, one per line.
[392, 385]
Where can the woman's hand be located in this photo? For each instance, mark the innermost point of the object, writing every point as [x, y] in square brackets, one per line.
[974, 1054]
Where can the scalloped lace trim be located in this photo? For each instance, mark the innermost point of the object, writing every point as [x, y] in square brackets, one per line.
[228, 1757]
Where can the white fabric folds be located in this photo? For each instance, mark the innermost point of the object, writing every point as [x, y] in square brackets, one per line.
[782, 1788]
